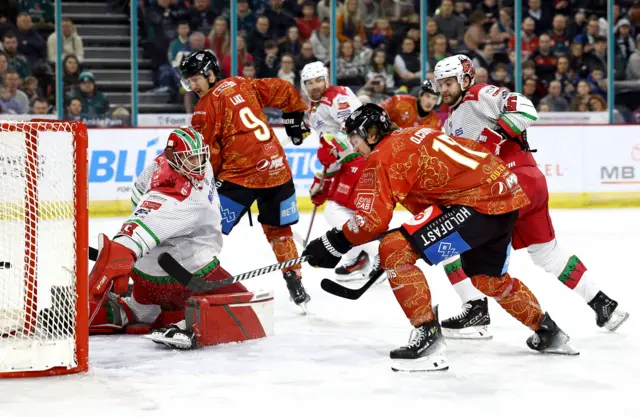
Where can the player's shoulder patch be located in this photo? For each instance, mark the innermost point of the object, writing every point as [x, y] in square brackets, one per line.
[473, 93]
[332, 92]
[225, 84]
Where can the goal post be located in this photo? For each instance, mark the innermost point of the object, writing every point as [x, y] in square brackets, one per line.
[43, 248]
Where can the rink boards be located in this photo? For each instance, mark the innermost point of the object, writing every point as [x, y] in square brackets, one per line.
[585, 166]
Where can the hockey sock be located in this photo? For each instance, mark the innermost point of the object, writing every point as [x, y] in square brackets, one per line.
[513, 296]
[461, 283]
[407, 281]
[567, 267]
[281, 240]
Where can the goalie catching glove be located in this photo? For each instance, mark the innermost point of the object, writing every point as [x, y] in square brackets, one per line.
[114, 264]
[296, 128]
[327, 250]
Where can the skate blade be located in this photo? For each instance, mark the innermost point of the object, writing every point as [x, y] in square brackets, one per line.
[431, 363]
[354, 276]
[565, 349]
[174, 343]
[303, 305]
[616, 320]
[468, 333]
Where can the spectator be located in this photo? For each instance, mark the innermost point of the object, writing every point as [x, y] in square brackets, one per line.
[74, 109]
[41, 11]
[324, 9]
[597, 82]
[597, 103]
[181, 43]
[4, 66]
[407, 65]
[39, 106]
[269, 65]
[219, 40]
[583, 92]
[452, 26]
[528, 38]
[14, 100]
[544, 59]
[502, 30]
[437, 50]
[306, 56]
[485, 57]
[460, 9]
[197, 41]
[30, 43]
[375, 90]
[632, 71]
[370, 12]
[500, 77]
[543, 108]
[71, 42]
[279, 21]
[71, 71]
[490, 11]
[378, 68]
[625, 45]
[349, 22]
[293, 44]
[530, 91]
[588, 38]
[597, 58]
[381, 33]
[320, 41]
[287, 70]
[578, 25]
[9, 10]
[249, 70]
[201, 16]
[162, 21]
[308, 22]
[554, 99]
[350, 70]
[30, 87]
[562, 75]
[16, 61]
[432, 28]
[577, 61]
[246, 18]
[94, 103]
[482, 76]
[397, 10]
[474, 38]
[529, 70]
[259, 37]
[362, 52]
[559, 36]
[540, 16]
[243, 57]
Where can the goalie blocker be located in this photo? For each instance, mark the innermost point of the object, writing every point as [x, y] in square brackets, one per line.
[483, 241]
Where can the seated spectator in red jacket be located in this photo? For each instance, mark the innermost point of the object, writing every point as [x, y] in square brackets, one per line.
[308, 22]
[528, 38]
[243, 57]
[219, 39]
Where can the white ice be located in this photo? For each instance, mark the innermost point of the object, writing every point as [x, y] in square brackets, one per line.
[335, 360]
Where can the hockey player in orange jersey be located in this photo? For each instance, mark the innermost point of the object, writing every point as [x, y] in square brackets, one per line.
[248, 161]
[408, 111]
[465, 201]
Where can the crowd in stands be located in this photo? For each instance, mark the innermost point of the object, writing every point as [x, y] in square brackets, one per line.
[564, 47]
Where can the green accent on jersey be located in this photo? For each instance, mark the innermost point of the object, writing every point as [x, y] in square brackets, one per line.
[527, 115]
[144, 226]
[132, 239]
[166, 279]
[505, 118]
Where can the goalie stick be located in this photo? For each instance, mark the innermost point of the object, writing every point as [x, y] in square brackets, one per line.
[338, 290]
[197, 284]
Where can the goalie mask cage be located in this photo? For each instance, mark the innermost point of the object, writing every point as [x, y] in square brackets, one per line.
[43, 248]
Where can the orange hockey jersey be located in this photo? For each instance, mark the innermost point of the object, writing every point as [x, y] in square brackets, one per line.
[244, 148]
[418, 167]
[403, 110]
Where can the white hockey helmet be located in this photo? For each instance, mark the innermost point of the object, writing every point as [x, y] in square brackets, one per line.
[311, 71]
[455, 66]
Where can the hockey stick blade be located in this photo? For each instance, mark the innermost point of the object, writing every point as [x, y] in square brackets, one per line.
[93, 254]
[197, 284]
[338, 290]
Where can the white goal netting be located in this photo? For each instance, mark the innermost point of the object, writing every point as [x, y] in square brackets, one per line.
[38, 246]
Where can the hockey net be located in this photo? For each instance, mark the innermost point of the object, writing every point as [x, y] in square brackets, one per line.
[43, 248]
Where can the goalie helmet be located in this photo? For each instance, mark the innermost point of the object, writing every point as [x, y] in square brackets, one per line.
[199, 62]
[187, 153]
[364, 117]
[457, 66]
[312, 71]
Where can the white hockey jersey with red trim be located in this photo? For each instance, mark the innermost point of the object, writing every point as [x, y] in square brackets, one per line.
[328, 114]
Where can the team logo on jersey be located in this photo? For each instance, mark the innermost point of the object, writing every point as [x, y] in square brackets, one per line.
[262, 165]
[467, 67]
[151, 205]
[223, 86]
[343, 105]
[127, 229]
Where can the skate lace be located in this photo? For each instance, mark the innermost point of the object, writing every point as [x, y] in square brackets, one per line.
[416, 337]
[465, 310]
[376, 263]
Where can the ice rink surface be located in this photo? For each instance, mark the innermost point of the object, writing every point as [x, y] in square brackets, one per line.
[334, 362]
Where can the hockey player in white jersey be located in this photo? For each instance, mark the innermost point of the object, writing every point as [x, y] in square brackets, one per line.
[330, 106]
[176, 210]
[499, 119]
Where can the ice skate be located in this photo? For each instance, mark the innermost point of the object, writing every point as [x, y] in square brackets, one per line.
[175, 336]
[375, 267]
[471, 323]
[355, 269]
[608, 315]
[297, 293]
[425, 351]
[551, 339]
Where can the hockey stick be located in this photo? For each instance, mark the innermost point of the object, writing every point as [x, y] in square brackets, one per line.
[315, 210]
[338, 290]
[197, 284]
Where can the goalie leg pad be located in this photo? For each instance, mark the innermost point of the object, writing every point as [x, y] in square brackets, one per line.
[226, 318]
[115, 316]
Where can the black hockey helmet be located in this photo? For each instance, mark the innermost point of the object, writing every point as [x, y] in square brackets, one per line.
[428, 86]
[199, 62]
[366, 116]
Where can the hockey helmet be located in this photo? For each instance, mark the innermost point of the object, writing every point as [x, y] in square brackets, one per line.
[457, 66]
[312, 71]
[187, 153]
[364, 117]
[431, 87]
[199, 62]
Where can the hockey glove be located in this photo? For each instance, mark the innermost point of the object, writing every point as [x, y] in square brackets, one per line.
[319, 190]
[492, 140]
[326, 251]
[114, 264]
[296, 128]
